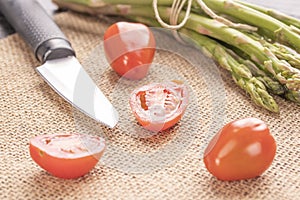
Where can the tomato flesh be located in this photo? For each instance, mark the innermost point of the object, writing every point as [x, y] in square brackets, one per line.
[242, 149]
[67, 155]
[129, 49]
[159, 106]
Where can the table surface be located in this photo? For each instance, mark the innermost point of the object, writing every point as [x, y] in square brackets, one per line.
[290, 7]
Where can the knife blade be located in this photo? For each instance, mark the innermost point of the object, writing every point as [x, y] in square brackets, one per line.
[60, 68]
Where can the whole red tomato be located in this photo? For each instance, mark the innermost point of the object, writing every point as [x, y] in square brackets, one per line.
[129, 49]
[242, 149]
[159, 106]
[67, 155]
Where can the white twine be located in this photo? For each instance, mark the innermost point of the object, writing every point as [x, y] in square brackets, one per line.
[176, 8]
[227, 22]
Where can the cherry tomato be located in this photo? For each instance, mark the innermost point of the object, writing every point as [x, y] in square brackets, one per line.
[67, 155]
[129, 49]
[159, 106]
[242, 149]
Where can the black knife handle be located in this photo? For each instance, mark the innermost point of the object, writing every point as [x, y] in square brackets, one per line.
[37, 28]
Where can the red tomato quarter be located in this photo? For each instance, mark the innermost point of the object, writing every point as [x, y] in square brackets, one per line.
[242, 149]
[68, 155]
[129, 49]
[159, 106]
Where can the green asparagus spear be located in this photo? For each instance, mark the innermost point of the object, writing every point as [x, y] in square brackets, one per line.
[291, 21]
[272, 85]
[240, 73]
[293, 96]
[281, 51]
[270, 26]
[285, 53]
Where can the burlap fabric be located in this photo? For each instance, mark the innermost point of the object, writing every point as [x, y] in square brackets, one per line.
[165, 166]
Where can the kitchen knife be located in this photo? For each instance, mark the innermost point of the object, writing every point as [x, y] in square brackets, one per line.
[60, 69]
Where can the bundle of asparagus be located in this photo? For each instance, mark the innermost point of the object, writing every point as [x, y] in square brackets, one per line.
[263, 60]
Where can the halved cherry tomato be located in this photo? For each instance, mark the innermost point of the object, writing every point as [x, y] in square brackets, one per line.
[67, 155]
[159, 106]
[242, 149]
[129, 49]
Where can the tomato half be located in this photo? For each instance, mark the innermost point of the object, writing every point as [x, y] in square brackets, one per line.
[129, 48]
[159, 106]
[242, 149]
[67, 155]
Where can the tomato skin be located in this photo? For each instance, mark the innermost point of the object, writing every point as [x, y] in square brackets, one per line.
[129, 49]
[242, 149]
[173, 102]
[61, 164]
[155, 127]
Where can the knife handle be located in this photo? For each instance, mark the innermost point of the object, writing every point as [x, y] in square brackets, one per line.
[37, 28]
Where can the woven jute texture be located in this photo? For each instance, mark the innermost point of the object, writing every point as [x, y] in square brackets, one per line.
[135, 165]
